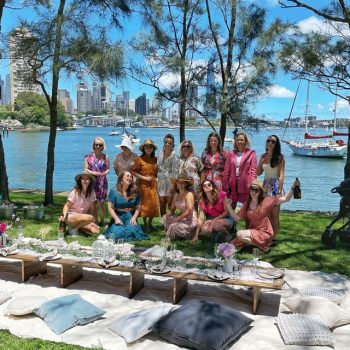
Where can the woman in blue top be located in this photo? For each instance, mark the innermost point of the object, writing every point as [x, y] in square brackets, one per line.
[124, 208]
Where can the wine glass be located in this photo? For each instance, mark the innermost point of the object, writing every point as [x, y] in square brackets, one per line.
[217, 256]
[255, 258]
[120, 247]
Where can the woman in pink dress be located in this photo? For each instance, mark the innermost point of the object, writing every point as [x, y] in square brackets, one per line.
[213, 159]
[240, 170]
[257, 210]
[97, 164]
[181, 225]
[213, 215]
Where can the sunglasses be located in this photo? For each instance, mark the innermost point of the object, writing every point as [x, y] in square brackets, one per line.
[254, 189]
[98, 145]
[124, 147]
[207, 184]
[186, 146]
[271, 141]
[168, 143]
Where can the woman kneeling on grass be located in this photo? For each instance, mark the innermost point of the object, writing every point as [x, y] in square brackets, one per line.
[213, 218]
[124, 208]
[256, 210]
[80, 209]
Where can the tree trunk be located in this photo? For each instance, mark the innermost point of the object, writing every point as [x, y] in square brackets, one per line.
[4, 187]
[50, 165]
[347, 164]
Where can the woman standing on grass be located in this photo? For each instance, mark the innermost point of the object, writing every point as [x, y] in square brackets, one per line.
[272, 165]
[256, 210]
[168, 168]
[80, 209]
[145, 170]
[240, 170]
[97, 164]
[213, 159]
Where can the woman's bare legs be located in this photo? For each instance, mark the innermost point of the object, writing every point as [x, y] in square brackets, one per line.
[163, 205]
[275, 219]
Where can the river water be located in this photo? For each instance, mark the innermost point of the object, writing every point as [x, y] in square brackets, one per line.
[25, 154]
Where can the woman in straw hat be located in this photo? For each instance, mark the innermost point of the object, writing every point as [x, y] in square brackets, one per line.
[256, 210]
[182, 225]
[97, 163]
[125, 160]
[145, 170]
[80, 209]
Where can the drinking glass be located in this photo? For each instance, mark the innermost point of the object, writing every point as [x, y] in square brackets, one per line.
[255, 258]
[20, 236]
[120, 247]
[217, 257]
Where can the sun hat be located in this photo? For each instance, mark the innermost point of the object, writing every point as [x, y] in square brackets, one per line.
[257, 183]
[79, 176]
[126, 143]
[147, 142]
[182, 177]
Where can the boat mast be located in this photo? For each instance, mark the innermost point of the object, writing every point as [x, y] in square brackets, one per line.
[307, 106]
[335, 114]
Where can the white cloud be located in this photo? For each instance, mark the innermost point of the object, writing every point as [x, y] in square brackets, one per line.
[342, 105]
[169, 80]
[316, 25]
[280, 92]
[319, 106]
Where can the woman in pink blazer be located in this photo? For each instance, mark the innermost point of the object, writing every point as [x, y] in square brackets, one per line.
[240, 170]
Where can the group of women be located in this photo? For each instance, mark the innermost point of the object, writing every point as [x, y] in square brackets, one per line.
[194, 195]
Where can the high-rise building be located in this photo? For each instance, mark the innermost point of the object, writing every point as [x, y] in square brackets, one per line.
[67, 102]
[141, 105]
[210, 96]
[100, 96]
[83, 98]
[20, 70]
[192, 98]
[8, 89]
[2, 92]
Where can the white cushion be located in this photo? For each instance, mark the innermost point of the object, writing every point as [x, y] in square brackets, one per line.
[332, 314]
[298, 329]
[25, 305]
[4, 296]
[134, 326]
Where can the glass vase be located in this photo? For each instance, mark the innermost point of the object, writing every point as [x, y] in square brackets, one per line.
[228, 265]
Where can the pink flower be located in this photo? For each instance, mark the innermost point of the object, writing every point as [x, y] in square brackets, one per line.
[226, 250]
[3, 227]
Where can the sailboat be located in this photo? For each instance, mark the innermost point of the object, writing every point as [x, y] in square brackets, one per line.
[316, 148]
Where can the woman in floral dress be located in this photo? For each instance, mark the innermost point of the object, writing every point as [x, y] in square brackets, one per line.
[190, 164]
[97, 163]
[168, 168]
[213, 159]
[182, 225]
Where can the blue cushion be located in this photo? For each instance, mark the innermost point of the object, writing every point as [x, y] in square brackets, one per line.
[67, 312]
[202, 325]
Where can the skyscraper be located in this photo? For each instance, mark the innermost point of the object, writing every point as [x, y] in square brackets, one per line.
[210, 96]
[20, 70]
[192, 98]
[83, 98]
[141, 105]
[67, 102]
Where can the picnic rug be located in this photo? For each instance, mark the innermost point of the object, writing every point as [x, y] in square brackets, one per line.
[108, 290]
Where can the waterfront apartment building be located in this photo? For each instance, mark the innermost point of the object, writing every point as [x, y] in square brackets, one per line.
[141, 105]
[64, 97]
[20, 70]
[101, 98]
[84, 100]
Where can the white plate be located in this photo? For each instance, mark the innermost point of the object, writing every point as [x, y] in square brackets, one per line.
[56, 257]
[16, 251]
[166, 269]
[218, 276]
[271, 273]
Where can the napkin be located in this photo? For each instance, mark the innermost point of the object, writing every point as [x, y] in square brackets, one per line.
[48, 255]
[8, 250]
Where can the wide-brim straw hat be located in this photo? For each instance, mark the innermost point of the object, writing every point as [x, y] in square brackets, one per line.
[126, 143]
[257, 183]
[182, 177]
[147, 142]
[79, 176]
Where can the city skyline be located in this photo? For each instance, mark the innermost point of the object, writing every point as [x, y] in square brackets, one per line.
[275, 105]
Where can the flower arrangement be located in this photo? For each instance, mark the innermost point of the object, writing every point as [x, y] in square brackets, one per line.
[3, 227]
[226, 250]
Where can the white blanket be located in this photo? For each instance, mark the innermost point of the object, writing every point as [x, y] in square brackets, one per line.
[108, 290]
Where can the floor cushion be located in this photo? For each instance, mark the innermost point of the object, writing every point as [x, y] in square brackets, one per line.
[25, 305]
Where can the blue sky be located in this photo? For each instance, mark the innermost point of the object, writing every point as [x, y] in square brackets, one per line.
[276, 105]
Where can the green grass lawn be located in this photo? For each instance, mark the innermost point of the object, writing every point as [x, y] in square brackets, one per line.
[299, 247]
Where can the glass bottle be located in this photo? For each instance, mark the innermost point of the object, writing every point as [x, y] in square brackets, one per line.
[297, 190]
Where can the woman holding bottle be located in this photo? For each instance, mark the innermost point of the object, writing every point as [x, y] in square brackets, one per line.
[272, 164]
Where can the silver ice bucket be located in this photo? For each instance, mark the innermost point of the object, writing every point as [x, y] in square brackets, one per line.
[6, 211]
[33, 212]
